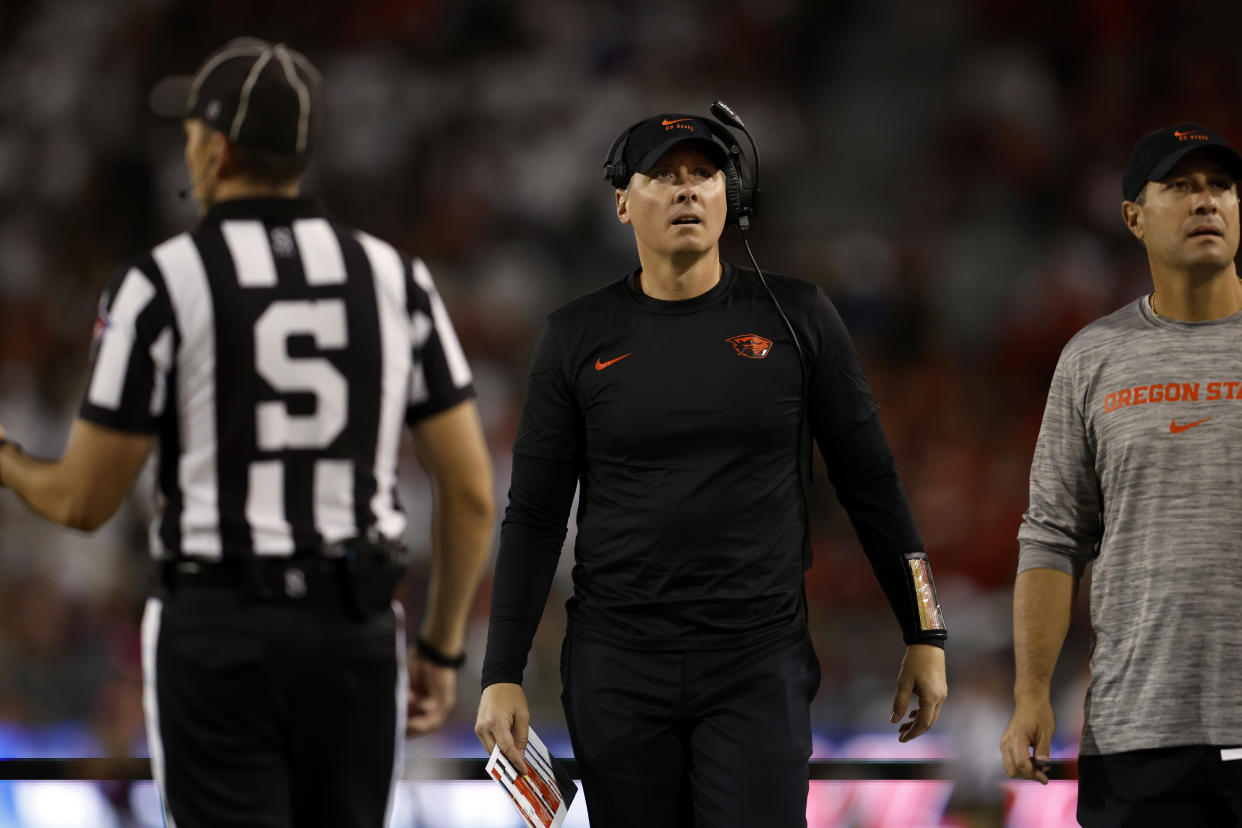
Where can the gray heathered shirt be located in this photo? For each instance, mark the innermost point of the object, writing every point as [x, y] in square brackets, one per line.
[1139, 469]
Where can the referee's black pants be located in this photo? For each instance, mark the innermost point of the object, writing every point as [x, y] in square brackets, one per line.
[272, 715]
[692, 739]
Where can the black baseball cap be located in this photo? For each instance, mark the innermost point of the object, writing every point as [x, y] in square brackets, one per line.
[1158, 152]
[650, 139]
[260, 95]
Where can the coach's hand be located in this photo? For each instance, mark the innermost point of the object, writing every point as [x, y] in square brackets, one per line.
[504, 719]
[1032, 726]
[922, 675]
[433, 690]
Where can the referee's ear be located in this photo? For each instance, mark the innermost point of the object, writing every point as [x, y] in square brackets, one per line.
[222, 157]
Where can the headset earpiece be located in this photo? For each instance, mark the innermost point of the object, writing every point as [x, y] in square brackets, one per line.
[733, 192]
[740, 196]
[616, 172]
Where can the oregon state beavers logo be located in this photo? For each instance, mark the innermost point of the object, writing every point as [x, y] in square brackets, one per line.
[751, 346]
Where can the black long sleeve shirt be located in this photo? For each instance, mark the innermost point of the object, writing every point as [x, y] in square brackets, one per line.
[683, 424]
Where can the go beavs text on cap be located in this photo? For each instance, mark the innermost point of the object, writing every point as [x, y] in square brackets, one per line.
[1158, 152]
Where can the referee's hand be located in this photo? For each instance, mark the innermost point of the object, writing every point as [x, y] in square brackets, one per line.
[433, 691]
[504, 719]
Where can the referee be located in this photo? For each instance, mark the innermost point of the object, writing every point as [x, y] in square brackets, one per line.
[274, 356]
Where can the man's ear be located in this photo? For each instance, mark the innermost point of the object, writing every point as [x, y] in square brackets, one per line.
[220, 156]
[623, 206]
[1132, 215]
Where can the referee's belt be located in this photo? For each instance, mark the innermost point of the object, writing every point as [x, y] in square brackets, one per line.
[363, 573]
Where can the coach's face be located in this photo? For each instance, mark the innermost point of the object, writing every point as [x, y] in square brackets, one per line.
[678, 206]
[203, 152]
[1188, 220]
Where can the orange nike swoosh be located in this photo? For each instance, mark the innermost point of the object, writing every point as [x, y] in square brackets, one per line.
[599, 366]
[666, 121]
[1174, 428]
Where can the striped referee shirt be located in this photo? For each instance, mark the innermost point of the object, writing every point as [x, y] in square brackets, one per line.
[276, 356]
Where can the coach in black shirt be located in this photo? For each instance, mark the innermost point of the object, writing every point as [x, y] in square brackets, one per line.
[274, 356]
[678, 402]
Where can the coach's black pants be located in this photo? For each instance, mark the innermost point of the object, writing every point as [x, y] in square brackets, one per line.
[696, 739]
[1179, 787]
[269, 715]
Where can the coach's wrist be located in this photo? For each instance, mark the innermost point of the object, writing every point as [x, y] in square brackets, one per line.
[1036, 693]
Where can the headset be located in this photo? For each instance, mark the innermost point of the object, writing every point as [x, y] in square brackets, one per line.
[742, 195]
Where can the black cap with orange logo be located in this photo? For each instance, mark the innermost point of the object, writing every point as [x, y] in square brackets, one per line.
[650, 139]
[1158, 152]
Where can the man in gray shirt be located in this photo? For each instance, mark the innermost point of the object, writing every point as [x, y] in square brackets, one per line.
[1138, 470]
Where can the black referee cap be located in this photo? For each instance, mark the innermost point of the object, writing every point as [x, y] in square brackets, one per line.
[1158, 152]
[260, 95]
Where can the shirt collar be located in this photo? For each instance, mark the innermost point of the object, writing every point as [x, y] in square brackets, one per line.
[235, 208]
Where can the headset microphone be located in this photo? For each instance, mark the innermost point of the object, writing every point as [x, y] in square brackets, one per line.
[196, 176]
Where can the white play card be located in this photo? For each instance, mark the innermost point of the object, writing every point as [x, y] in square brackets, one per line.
[544, 795]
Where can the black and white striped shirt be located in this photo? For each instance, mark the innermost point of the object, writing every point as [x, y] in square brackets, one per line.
[277, 356]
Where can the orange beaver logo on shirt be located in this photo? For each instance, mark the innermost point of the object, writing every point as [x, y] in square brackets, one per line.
[752, 346]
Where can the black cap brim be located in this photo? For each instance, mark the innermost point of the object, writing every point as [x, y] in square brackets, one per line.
[1226, 155]
[170, 95]
[710, 148]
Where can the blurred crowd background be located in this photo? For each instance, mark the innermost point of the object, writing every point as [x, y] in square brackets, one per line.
[948, 170]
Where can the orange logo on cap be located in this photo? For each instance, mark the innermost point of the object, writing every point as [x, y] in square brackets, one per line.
[1190, 136]
[667, 122]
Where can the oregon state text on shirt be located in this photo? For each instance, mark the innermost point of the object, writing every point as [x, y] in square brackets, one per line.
[1172, 392]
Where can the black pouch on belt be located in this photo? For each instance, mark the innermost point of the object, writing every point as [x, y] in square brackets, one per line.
[370, 569]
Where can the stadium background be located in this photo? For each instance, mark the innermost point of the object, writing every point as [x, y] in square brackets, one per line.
[948, 170]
